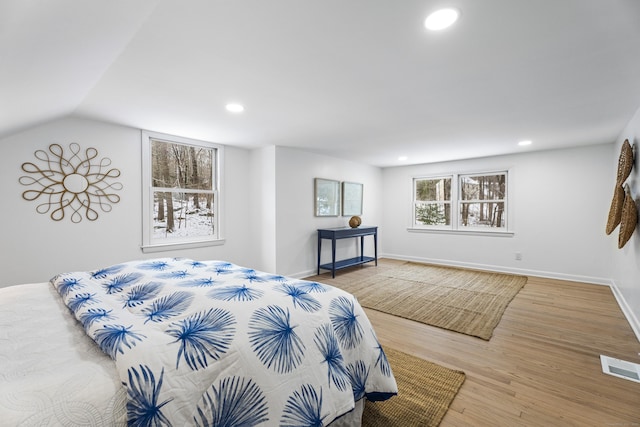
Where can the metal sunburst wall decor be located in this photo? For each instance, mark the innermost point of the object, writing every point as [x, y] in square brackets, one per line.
[72, 182]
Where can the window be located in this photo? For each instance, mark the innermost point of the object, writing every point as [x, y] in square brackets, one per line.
[181, 192]
[432, 204]
[480, 202]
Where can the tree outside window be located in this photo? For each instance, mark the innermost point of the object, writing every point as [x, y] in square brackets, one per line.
[182, 201]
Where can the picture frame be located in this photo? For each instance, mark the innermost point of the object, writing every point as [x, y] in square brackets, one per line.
[327, 197]
[352, 198]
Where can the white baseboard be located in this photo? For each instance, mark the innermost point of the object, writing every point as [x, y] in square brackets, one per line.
[626, 310]
[502, 269]
[304, 274]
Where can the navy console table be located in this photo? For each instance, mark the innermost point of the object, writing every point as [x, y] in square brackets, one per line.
[343, 233]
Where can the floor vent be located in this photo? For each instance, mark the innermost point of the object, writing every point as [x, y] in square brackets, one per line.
[620, 368]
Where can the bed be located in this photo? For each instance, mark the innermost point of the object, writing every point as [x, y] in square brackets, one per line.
[174, 341]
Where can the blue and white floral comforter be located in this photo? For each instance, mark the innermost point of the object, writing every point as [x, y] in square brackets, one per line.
[213, 343]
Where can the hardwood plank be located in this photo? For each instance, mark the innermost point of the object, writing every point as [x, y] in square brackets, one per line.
[542, 365]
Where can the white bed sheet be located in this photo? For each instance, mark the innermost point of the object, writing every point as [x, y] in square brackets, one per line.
[51, 372]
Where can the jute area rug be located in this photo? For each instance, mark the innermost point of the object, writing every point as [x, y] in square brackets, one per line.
[466, 301]
[425, 392]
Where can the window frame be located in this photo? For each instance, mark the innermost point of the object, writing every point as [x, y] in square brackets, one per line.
[416, 202]
[504, 201]
[456, 202]
[151, 244]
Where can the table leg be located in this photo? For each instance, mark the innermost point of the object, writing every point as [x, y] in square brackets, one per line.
[333, 258]
[319, 250]
[375, 246]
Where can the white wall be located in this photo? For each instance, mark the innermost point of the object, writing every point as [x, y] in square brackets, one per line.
[625, 266]
[558, 205]
[34, 247]
[296, 224]
[262, 218]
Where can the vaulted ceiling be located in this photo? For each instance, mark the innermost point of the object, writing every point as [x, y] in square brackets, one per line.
[357, 79]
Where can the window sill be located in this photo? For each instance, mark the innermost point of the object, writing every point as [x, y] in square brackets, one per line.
[461, 232]
[163, 247]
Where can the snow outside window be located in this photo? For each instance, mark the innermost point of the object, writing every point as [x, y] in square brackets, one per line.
[181, 192]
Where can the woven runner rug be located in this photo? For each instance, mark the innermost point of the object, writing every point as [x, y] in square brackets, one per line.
[425, 392]
[466, 301]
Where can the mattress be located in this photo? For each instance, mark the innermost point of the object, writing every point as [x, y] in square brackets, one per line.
[53, 373]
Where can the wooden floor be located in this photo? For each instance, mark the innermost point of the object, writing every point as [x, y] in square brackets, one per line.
[542, 365]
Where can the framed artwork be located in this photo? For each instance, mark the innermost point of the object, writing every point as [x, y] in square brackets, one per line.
[351, 198]
[327, 197]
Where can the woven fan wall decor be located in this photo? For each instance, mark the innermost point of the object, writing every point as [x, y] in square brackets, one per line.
[615, 211]
[625, 162]
[623, 210]
[629, 218]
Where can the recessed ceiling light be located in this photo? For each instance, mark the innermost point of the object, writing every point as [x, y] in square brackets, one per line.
[525, 142]
[403, 158]
[235, 108]
[441, 19]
